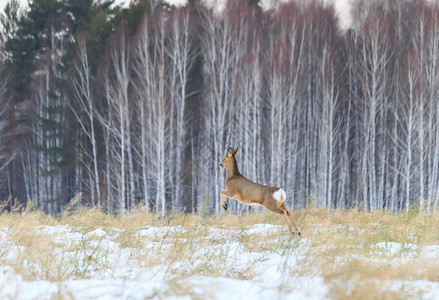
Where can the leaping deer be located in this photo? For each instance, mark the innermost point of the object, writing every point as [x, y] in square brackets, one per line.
[250, 193]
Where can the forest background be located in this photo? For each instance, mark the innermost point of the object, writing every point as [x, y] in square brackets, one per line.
[138, 105]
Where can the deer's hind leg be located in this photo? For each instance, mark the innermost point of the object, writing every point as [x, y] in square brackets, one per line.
[289, 217]
[285, 214]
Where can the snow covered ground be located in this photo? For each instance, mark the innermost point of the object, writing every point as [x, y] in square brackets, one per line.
[114, 271]
[174, 262]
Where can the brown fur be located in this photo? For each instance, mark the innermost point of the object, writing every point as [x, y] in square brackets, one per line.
[250, 193]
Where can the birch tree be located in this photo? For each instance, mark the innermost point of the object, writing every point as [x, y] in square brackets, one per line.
[376, 54]
[154, 94]
[425, 42]
[222, 43]
[285, 52]
[84, 100]
[118, 123]
[181, 55]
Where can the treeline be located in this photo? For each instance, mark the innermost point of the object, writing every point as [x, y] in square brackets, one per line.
[137, 106]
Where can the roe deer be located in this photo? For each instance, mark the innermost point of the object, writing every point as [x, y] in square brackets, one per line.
[250, 193]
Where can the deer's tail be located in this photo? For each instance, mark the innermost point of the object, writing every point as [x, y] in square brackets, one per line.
[280, 196]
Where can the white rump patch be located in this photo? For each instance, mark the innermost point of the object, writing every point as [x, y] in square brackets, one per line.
[279, 195]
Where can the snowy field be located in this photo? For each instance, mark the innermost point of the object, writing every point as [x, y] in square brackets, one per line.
[218, 257]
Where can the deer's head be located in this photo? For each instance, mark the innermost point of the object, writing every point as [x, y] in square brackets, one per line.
[229, 158]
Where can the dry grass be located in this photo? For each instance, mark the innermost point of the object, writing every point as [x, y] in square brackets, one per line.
[341, 246]
[345, 251]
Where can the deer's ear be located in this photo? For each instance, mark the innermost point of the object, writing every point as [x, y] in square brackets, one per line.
[230, 151]
[236, 150]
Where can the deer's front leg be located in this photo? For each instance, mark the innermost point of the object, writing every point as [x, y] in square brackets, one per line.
[239, 198]
[223, 194]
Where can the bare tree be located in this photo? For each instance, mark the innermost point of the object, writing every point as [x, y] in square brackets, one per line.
[376, 54]
[84, 99]
[424, 63]
[5, 154]
[117, 123]
[181, 55]
[222, 45]
[285, 52]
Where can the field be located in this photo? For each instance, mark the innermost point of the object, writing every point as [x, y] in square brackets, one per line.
[341, 255]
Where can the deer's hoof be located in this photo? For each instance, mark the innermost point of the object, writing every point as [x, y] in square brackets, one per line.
[225, 205]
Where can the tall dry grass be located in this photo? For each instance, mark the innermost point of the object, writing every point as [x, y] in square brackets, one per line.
[340, 246]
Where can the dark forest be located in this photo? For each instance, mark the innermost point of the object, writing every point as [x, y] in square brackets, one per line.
[136, 106]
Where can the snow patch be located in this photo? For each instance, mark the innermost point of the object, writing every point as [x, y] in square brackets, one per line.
[51, 230]
[430, 252]
[226, 288]
[264, 229]
[158, 232]
[97, 233]
[392, 248]
[414, 288]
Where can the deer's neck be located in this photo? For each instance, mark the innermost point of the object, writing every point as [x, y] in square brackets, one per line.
[233, 170]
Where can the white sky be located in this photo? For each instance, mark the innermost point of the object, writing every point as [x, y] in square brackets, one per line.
[342, 7]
